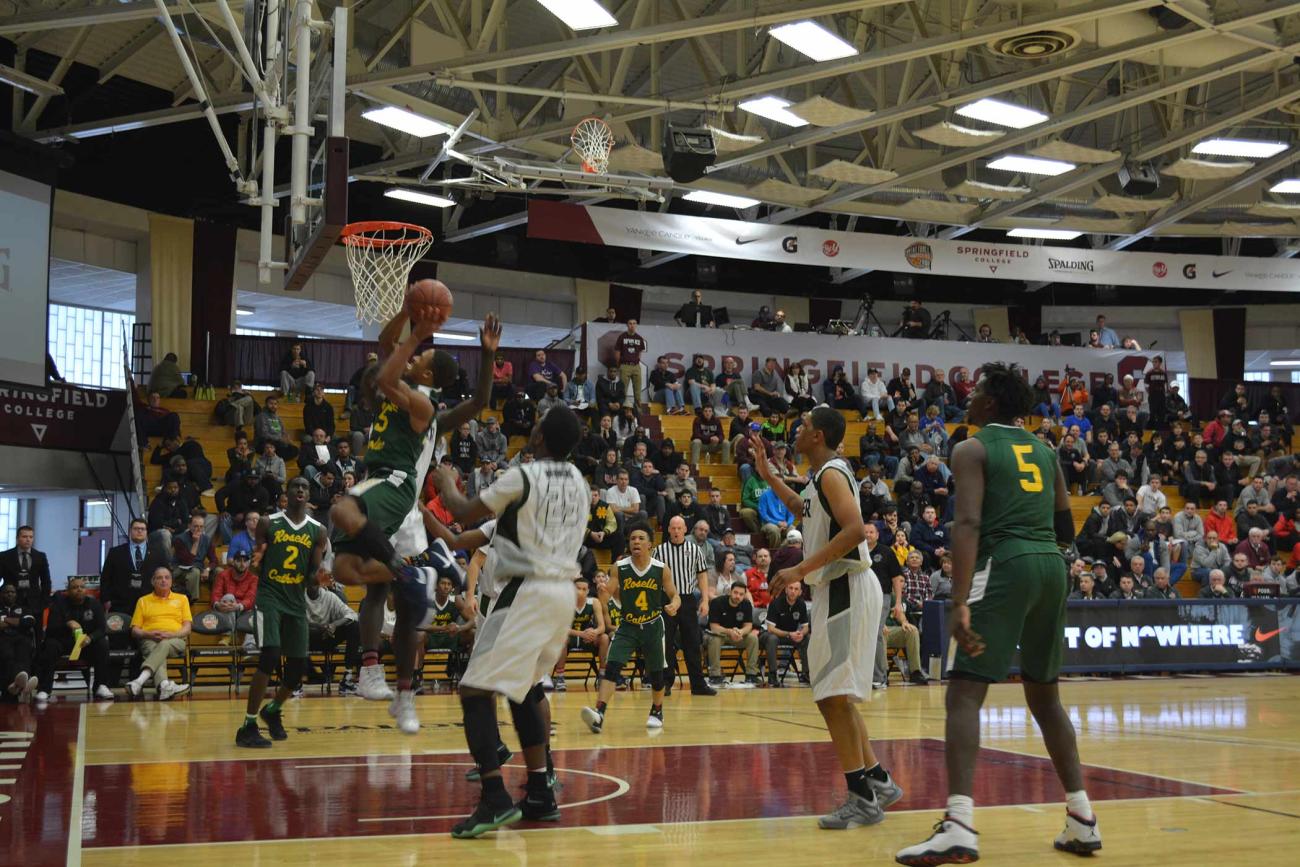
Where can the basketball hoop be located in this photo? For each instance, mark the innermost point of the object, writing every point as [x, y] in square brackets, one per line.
[380, 257]
[592, 141]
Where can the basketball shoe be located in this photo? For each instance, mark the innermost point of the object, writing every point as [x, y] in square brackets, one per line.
[855, 812]
[1079, 837]
[371, 685]
[951, 843]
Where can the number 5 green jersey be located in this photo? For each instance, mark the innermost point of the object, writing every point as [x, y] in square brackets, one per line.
[286, 561]
[641, 593]
[1019, 494]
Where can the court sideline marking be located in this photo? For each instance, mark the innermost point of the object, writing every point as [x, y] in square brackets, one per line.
[78, 791]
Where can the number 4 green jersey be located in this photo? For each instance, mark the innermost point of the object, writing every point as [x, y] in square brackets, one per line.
[641, 593]
[1019, 494]
[286, 561]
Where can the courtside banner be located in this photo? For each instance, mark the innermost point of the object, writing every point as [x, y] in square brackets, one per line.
[800, 245]
[822, 353]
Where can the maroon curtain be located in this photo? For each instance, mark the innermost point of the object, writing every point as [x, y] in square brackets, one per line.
[1206, 394]
[626, 301]
[211, 292]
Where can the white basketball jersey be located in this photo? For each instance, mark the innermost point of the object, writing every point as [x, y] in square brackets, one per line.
[541, 512]
[819, 525]
[430, 445]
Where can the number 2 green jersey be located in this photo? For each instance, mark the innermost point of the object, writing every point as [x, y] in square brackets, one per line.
[641, 593]
[1019, 494]
[286, 560]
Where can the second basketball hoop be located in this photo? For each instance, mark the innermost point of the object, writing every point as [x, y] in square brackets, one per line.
[592, 141]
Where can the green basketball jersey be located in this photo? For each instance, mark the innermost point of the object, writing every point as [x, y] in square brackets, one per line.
[584, 617]
[1019, 494]
[615, 610]
[444, 615]
[641, 592]
[393, 445]
[287, 559]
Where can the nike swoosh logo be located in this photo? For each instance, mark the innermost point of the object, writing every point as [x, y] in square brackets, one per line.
[1262, 636]
[747, 240]
[1218, 274]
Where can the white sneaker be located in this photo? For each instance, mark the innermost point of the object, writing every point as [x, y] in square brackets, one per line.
[402, 709]
[654, 722]
[134, 689]
[951, 843]
[103, 693]
[169, 690]
[250, 644]
[42, 696]
[19, 684]
[1079, 837]
[371, 685]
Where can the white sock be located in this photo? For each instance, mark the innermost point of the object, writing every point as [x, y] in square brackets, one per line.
[143, 677]
[1077, 803]
[962, 808]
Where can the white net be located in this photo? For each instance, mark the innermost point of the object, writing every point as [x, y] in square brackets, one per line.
[592, 141]
[380, 257]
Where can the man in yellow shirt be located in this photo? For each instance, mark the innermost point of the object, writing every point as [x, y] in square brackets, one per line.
[161, 624]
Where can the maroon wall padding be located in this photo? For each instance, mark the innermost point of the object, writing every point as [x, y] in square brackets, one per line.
[212, 293]
[1230, 341]
[823, 310]
[626, 301]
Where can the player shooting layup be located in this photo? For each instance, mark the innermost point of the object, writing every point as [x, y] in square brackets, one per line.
[846, 600]
[1008, 588]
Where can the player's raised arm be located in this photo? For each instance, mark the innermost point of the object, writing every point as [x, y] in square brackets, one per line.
[394, 388]
[470, 540]
[489, 336]
[506, 489]
[391, 336]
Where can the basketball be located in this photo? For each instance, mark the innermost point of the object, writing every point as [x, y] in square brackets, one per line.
[429, 299]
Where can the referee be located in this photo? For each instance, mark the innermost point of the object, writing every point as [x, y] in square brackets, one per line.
[690, 568]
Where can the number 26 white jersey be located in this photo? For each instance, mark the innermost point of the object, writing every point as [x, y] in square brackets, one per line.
[541, 512]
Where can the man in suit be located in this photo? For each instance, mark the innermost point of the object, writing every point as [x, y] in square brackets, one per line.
[28, 570]
[121, 581]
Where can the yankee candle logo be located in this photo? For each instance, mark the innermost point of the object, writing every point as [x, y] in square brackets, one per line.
[919, 256]
[1179, 635]
[1070, 264]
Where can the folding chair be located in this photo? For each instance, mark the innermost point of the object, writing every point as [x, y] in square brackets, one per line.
[211, 646]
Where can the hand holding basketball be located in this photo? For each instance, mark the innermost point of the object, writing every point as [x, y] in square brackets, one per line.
[428, 301]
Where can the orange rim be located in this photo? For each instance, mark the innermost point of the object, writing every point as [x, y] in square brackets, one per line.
[361, 234]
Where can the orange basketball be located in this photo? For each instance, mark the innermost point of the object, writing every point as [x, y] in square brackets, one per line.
[429, 299]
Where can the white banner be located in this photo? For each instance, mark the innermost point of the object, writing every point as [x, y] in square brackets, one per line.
[821, 353]
[801, 245]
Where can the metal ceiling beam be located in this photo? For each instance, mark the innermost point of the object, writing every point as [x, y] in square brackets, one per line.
[613, 40]
[143, 120]
[556, 93]
[396, 34]
[56, 78]
[129, 49]
[1191, 206]
[1068, 65]
[87, 16]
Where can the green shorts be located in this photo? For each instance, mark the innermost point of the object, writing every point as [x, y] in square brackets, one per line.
[273, 626]
[386, 500]
[648, 637]
[441, 641]
[1022, 604]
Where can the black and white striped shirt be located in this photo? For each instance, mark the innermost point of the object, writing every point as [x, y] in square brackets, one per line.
[686, 560]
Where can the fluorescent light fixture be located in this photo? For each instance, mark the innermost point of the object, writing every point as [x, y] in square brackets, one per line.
[1285, 362]
[1031, 165]
[580, 14]
[1290, 185]
[244, 311]
[1236, 147]
[419, 198]
[813, 40]
[773, 108]
[1002, 113]
[710, 198]
[1046, 234]
[407, 121]
[452, 335]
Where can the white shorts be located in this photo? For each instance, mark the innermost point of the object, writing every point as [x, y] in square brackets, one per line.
[411, 540]
[842, 641]
[521, 639]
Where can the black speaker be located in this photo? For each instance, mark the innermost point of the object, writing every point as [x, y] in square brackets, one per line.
[1138, 179]
[687, 152]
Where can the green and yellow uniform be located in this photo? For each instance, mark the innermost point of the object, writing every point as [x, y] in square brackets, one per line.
[1018, 593]
[280, 612]
[642, 625]
[583, 618]
[392, 455]
[614, 609]
[445, 614]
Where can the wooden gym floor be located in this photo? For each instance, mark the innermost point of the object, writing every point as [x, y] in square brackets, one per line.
[1183, 771]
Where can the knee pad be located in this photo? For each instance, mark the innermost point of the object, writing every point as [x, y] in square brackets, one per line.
[294, 669]
[529, 724]
[613, 672]
[656, 679]
[268, 660]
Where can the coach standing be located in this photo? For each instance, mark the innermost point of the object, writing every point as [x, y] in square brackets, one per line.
[629, 348]
[28, 570]
[690, 567]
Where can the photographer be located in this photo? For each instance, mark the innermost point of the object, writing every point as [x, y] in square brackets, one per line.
[916, 321]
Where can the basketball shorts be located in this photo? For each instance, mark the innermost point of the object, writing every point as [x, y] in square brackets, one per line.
[843, 637]
[521, 638]
[441, 641]
[1017, 602]
[386, 499]
[647, 637]
[411, 540]
[273, 626]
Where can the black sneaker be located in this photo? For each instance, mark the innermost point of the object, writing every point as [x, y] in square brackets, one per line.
[539, 806]
[703, 689]
[918, 678]
[486, 817]
[274, 724]
[751, 679]
[503, 755]
[249, 736]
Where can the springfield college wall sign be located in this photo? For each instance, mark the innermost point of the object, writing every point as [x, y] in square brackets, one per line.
[62, 417]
